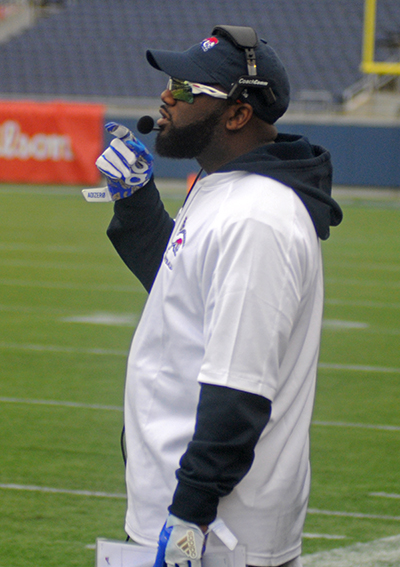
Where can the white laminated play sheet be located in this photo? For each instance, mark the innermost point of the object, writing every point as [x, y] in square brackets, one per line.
[112, 553]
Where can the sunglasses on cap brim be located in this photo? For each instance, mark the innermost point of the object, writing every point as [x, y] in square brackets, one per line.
[185, 90]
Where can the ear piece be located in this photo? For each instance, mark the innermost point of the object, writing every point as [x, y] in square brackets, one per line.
[246, 38]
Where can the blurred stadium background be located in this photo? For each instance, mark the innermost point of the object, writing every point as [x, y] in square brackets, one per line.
[69, 306]
[93, 51]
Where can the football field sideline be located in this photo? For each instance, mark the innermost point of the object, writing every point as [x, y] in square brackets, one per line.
[69, 307]
[383, 552]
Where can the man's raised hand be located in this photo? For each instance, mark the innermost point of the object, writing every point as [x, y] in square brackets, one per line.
[126, 163]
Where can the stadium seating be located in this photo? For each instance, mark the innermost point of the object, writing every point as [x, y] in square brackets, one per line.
[95, 48]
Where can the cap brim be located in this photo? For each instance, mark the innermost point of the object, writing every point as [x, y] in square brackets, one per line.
[178, 65]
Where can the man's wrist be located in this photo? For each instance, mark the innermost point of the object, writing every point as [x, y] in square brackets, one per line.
[195, 505]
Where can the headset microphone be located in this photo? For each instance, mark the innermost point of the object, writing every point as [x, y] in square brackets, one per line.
[146, 124]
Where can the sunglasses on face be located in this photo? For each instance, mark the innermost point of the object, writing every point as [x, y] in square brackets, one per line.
[184, 90]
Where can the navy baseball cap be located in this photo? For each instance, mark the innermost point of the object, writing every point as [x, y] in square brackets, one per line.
[218, 60]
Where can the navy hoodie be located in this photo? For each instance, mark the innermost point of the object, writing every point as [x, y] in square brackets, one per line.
[306, 168]
[222, 449]
[141, 227]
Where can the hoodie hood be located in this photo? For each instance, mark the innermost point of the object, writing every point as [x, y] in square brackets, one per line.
[304, 167]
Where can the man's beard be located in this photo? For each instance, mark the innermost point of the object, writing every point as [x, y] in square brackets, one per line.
[189, 141]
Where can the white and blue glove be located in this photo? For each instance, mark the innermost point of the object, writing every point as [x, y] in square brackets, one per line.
[182, 544]
[126, 163]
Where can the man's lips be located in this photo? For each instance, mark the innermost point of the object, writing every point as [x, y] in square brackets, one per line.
[165, 117]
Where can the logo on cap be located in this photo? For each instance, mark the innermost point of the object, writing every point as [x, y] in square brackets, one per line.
[208, 43]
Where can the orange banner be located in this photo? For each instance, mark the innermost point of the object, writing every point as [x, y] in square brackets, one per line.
[50, 142]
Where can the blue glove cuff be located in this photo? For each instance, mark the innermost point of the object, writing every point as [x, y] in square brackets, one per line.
[162, 544]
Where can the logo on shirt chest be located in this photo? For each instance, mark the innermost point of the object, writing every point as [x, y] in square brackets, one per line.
[175, 246]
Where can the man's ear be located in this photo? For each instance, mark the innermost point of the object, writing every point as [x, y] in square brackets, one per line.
[239, 115]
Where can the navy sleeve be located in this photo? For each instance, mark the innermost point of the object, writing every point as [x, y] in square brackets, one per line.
[229, 424]
[140, 230]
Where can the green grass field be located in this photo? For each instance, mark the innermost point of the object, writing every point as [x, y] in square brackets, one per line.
[68, 310]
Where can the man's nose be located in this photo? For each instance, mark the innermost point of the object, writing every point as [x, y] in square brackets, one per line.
[167, 98]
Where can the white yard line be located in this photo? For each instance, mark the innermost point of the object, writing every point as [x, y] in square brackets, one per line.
[382, 552]
[47, 191]
[362, 283]
[70, 266]
[339, 324]
[72, 286]
[60, 403]
[111, 352]
[369, 304]
[102, 318]
[314, 511]
[63, 349]
[61, 491]
[28, 309]
[64, 403]
[358, 367]
[360, 265]
[58, 248]
[384, 495]
[323, 536]
[357, 425]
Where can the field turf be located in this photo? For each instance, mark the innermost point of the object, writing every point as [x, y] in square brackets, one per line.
[68, 310]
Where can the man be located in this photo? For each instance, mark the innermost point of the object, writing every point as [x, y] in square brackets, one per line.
[221, 374]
